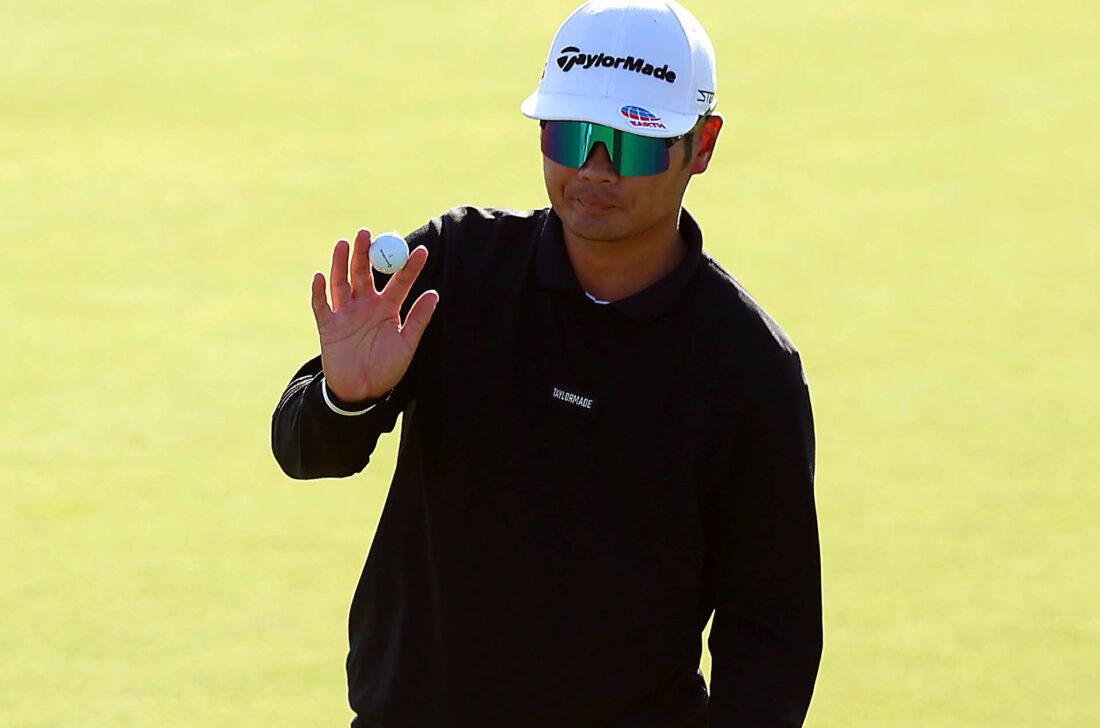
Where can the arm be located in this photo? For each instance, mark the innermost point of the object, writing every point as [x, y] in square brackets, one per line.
[310, 439]
[765, 566]
[332, 413]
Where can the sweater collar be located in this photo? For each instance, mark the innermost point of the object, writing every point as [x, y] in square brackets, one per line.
[555, 271]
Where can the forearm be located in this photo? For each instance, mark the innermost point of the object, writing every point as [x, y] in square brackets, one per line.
[766, 639]
[764, 666]
[311, 438]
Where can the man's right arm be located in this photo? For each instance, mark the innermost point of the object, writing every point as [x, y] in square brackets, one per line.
[329, 418]
[319, 436]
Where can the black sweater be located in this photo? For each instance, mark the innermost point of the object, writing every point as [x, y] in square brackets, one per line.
[579, 486]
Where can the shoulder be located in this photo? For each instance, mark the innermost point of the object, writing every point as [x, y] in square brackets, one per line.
[743, 335]
[468, 220]
[472, 247]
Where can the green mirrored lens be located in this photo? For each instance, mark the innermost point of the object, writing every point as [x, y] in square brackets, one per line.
[640, 156]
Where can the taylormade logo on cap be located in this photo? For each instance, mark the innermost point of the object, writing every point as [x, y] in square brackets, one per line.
[649, 55]
[629, 63]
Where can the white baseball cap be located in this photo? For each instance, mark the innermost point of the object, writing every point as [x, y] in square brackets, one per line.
[643, 66]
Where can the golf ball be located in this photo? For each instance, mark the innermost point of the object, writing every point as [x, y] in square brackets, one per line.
[388, 253]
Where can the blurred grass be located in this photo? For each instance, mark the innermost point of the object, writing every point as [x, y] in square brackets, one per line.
[910, 188]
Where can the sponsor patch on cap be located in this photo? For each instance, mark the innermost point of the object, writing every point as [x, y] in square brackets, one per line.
[642, 117]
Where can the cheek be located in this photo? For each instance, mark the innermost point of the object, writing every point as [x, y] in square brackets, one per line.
[555, 176]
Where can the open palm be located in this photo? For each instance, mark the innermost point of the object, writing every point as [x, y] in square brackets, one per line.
[365, 347]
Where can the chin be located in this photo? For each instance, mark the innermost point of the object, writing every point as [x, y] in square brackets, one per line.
[592, 227]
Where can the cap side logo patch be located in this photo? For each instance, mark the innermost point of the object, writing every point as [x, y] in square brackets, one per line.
[637, 116]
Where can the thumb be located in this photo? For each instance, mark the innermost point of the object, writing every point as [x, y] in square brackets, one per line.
[419, 316]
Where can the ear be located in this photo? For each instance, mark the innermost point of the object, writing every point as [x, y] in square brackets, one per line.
[708, 137]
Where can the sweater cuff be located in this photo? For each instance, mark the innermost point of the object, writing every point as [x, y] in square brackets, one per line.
[348, 409]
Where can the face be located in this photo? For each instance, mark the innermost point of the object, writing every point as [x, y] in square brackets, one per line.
[596, 203]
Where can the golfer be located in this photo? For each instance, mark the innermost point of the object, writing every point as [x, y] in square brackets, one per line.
[605, 440]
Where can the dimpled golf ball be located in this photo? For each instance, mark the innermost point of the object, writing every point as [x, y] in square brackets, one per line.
[388, 253]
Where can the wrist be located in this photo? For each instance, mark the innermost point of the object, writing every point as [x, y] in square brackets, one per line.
[348, 408]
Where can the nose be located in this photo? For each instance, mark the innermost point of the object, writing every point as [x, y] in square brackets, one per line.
[598, 168]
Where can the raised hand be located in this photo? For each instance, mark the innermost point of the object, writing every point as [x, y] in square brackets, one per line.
[365, 348]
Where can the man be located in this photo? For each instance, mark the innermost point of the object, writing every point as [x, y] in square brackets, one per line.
[604, 439]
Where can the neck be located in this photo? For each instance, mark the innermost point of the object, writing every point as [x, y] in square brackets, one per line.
[612, 270]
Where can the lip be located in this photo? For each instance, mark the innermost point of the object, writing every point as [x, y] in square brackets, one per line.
[594, 205]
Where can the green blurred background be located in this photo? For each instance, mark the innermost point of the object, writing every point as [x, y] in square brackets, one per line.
[910, 188]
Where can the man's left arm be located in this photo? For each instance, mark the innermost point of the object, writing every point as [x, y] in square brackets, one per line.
[764, 564]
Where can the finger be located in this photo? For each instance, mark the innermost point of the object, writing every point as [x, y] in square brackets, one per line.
[397, 288]
[338, 278]
[362, 280]
[321, 311]
[419, 316]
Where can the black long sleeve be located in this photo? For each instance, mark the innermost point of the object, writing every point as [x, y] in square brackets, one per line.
[766, 639]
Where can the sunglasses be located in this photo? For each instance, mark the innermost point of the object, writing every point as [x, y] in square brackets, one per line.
[570, 142]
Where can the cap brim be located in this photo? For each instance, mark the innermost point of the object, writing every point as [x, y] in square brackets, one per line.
[605, 111]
